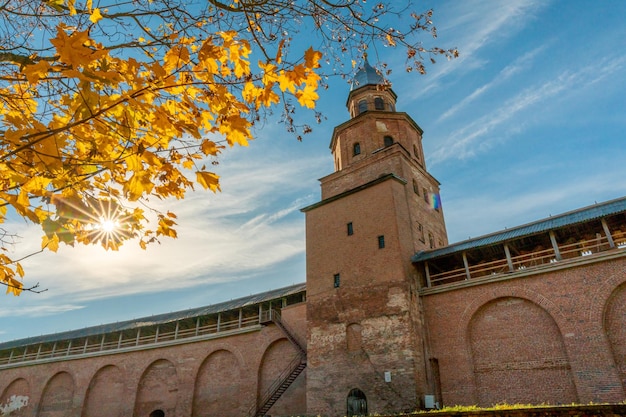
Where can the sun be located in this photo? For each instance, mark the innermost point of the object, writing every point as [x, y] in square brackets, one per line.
[108, 225]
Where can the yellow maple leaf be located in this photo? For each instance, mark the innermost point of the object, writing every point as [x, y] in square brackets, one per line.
[96, 16]
[235, 128]
[138, 184]
[208, 147]
[70, 5]
[13, 285]
[307, 96]
[36, 72]
[312, 57]
[250, 92]
[36, 185]
[175, 58]
[19, 269]
[75, 49]
[286, 83]
[208, 180]
[50, 243]
[165, 228]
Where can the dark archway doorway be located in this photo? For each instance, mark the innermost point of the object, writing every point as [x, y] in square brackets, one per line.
[157, 413]
[356, 403]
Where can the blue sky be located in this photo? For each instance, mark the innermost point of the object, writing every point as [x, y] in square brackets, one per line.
[529, 121]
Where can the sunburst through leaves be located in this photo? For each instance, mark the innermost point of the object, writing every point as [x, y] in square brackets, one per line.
[90, 220]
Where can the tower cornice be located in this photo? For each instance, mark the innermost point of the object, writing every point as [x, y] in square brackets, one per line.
[376, 114]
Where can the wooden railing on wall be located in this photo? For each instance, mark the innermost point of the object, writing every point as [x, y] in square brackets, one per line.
[122, 340]
[529, 260]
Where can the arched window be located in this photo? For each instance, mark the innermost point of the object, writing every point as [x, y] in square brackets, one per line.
[362, 106]
[157, 413]
[379, 104]
[356, 149]
[388, 141]
[357, 403]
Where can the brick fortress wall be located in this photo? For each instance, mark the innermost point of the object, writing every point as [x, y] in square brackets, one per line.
[222, 376]
[556, 337]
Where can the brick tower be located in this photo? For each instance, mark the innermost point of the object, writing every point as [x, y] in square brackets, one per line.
[379, 207]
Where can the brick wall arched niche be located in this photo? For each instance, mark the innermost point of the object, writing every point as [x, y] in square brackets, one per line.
[157, 391]
[276, 359]
[518, 355]
[218, 386]
[17, 398]
[56, 400]
[615, 328]
[104, 393]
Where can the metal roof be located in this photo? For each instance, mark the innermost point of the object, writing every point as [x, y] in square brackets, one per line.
[553, 222]
[367, 75]
[160, 318]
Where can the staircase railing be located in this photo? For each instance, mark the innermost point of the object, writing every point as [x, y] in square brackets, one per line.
[288, 375]
[278, 387]
[275, 317]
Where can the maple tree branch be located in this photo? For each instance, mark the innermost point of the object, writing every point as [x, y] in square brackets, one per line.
[34, 289]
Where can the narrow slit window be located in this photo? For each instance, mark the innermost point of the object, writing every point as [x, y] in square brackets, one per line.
[350, 229]
[337, 280]
[381, 242]
[356, 149]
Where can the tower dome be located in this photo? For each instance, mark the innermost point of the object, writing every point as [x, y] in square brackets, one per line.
[367, 75]
[370, 91]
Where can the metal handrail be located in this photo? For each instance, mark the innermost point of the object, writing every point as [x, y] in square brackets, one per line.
[269, 392]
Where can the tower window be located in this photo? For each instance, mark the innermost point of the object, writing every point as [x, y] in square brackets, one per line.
[431, 240]
[362, 106]
[350, 229]
[336, 280]
[416, 188]
[356, 149]
[426, 195]
[416, 152]
[388, 141]
[420, 231]
[381, 242]
[379, 104]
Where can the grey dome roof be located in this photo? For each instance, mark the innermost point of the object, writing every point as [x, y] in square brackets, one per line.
[367, 75]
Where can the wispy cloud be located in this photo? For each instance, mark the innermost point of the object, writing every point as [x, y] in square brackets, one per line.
[248, 227]
[481, 134]
[39, 310]
[466, 215]
[470, 26]
[517, 66]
